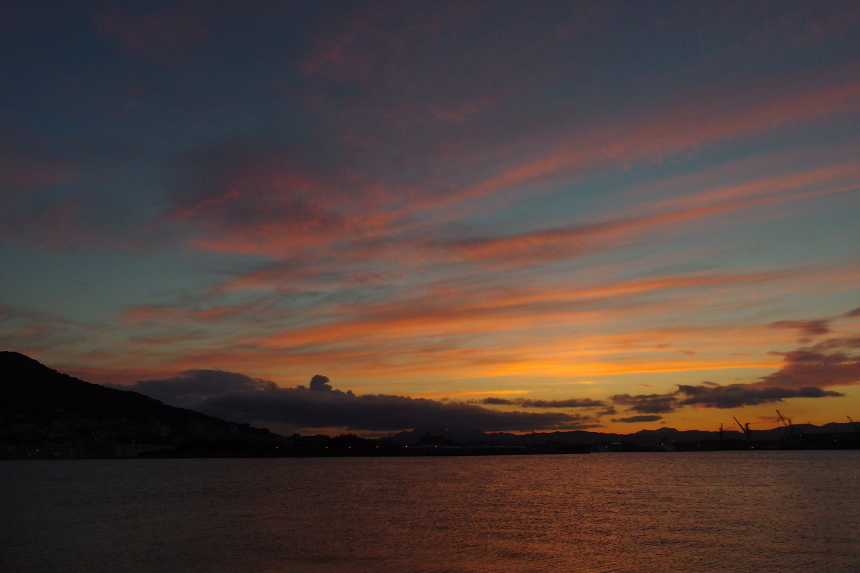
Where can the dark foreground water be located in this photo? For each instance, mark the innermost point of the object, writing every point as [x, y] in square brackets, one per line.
[696, 512]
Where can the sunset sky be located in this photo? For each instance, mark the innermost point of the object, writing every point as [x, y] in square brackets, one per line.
[534, 215]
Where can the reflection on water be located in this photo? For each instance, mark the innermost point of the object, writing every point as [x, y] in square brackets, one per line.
[697, 512]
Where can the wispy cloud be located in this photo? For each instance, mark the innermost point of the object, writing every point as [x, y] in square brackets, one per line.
[637, 419]
[806, 327]
[647, 403]
[531, 403]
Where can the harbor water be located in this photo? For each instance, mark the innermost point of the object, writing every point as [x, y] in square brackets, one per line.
[762, 511]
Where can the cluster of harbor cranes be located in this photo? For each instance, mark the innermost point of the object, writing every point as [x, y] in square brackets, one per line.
[791, 431]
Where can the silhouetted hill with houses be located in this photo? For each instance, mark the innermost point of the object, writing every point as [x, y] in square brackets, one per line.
[44, 413]
[27, 386]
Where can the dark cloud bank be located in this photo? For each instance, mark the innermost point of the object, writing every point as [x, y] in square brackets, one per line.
[729, 396]
[244, 399]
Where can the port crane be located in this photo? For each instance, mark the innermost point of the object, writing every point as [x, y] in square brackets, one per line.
[783, 420]
[791, 431]
[746, 430]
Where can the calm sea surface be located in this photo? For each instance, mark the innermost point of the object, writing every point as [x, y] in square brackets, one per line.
[716, 511]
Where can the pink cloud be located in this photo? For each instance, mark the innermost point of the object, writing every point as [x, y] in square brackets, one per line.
[806, 327]
[687, 128]
[810, 368]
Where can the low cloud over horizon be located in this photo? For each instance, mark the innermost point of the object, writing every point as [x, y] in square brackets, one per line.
[637, 419]
[528, 403]
[240, 398]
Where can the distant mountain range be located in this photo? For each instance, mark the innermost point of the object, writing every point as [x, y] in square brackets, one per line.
[44, 413]
[642, 437]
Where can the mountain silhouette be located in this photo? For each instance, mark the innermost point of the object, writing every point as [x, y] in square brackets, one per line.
[31, 388]
[45, 414]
